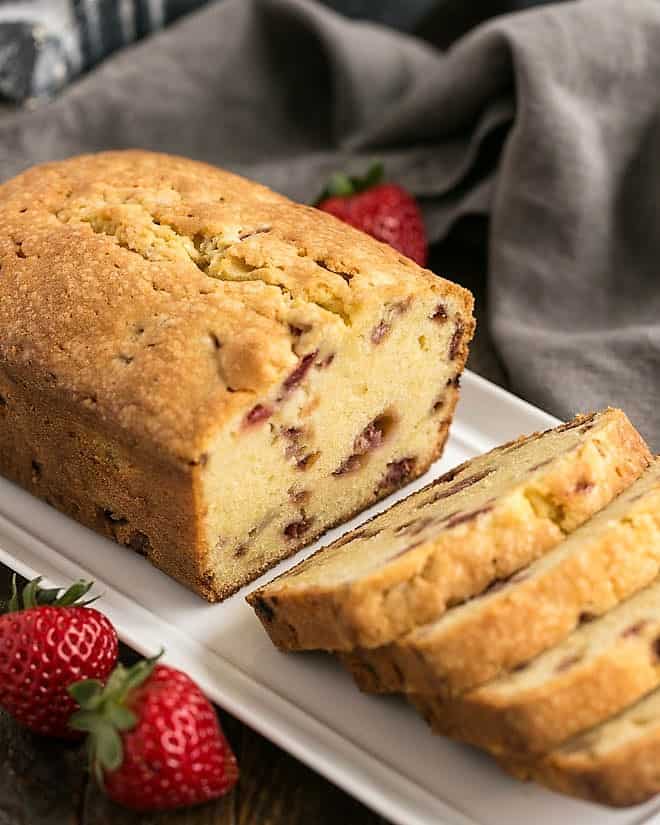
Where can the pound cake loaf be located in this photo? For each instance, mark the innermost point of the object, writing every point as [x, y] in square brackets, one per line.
[616, 763]
[477, 524]
[613, 555]
[207, 372]
[601, 668]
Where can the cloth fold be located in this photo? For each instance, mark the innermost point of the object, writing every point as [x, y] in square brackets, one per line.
[547, 121]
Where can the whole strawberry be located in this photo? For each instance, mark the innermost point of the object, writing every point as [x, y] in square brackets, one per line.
[48, 640]
[383, 210]
[154, 739]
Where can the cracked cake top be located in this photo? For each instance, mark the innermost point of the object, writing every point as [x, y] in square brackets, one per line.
[169, 296]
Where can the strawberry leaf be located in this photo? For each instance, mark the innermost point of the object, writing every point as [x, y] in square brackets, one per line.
[87, 693]
[342, 185]
[49, 595]
[374, 175]
[122, 718]
[339, 185]
[30, 593]
[139, 673]
[85, 720]
[104, 714]
[74, 593]
[108, 749]
[33, 595]
[115, 683]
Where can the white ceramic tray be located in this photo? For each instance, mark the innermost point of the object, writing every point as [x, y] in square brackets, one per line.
[376, 748]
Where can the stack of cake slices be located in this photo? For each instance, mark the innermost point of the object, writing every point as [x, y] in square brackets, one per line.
[515, 601]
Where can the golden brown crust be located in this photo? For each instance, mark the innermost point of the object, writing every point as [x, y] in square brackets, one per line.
[600, 565]
[147, 303]
[629, 778]
[616, 763]
[164, 257]
[604, 666]
[408, 590]
[532, 727]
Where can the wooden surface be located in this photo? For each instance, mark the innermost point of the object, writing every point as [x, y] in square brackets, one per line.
[45, 782]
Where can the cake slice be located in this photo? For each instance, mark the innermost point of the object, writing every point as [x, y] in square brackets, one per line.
[603, 562]
[207, 372]
[477, 524]
[616, 763]
[602, 667]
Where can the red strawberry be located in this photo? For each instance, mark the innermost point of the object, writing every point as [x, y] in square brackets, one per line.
[48, 640]
[384, 210]
[155, 742]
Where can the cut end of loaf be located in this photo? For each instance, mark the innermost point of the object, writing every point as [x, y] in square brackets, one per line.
[352, 431]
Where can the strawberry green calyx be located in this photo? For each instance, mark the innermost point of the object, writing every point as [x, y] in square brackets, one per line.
[104, 715]
[342, 185]
[33, 595]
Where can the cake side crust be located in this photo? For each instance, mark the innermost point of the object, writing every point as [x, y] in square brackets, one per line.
[57, 451]
[614, 764]
[603, 667]
[535, 610]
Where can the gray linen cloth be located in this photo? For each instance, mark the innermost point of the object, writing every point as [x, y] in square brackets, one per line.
[548, 121]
